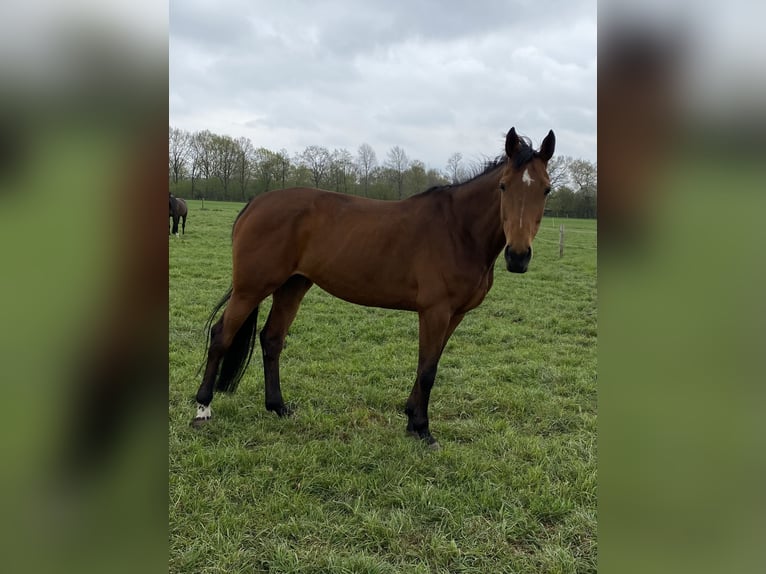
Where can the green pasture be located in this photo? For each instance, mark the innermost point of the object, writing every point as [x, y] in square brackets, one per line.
[339, 487]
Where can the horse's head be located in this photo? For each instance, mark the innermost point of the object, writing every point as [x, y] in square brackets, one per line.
[171, 199]
[524, 186]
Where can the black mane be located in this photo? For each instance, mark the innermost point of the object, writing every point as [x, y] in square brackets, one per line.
[524, 154]
[488, 166]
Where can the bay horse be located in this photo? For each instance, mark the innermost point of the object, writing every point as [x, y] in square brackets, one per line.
[432, 253]
[178, 210]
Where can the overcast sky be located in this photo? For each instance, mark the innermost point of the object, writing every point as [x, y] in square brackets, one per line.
[434, 77]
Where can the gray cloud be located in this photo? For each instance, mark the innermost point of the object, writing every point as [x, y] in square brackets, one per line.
[434, 77]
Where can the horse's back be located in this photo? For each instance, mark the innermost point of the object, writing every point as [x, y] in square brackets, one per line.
[309, 208]
[303, 198]
[313, 211]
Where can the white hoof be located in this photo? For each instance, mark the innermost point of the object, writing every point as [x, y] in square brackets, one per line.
[204, 412]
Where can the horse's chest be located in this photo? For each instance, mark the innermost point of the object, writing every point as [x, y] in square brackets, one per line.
[474, 296]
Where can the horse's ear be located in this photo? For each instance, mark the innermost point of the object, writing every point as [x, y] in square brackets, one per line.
[511, 142]
[547, 147]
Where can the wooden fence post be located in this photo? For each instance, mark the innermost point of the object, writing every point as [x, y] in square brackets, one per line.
[561, 241]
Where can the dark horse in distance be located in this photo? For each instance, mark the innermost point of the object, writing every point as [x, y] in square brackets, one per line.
[178, 210]
[432, 253]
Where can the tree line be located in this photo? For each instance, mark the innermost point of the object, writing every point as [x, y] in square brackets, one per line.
[204, 165]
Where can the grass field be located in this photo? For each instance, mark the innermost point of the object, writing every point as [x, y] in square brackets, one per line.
[339, 487]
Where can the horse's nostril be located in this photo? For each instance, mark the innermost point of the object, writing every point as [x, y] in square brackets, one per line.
[511, 254]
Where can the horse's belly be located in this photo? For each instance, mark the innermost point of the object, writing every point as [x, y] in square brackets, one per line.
[368, 293]
[363, 283]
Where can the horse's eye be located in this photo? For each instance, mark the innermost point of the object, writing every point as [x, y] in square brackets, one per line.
[547, 190]
[502, 186]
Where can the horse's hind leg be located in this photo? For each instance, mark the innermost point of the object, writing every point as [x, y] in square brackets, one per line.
[183, 225]
[205, 392]
[240, 313]
[286, 301]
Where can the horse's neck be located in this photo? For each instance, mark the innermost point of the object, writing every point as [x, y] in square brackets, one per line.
[477, 206]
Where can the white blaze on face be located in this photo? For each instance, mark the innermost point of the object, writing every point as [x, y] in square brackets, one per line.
[526, 177]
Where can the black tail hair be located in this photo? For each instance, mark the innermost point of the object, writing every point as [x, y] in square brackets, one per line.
[238, 356]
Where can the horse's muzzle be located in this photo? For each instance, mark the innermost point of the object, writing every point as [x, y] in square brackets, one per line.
[517, 262]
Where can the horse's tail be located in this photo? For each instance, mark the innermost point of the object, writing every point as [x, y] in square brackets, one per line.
[239, 353]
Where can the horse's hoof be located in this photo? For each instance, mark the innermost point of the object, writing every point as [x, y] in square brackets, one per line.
[427, 438]
[430, 441]
[204, 413]
[285, 412]
[281, 410]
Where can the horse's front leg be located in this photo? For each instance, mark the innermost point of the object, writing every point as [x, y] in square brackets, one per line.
[434, 326]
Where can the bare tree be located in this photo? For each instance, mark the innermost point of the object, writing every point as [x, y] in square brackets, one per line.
[282, 161]
[266, 167]
[317, 160]
[583, 174]
[245, 160]
[398, 162]
[575, 194]
[342, 169]
[455, 171]
[178, 152]
[366, 162]
[224, 160]
[201, 159]
[558, 170]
